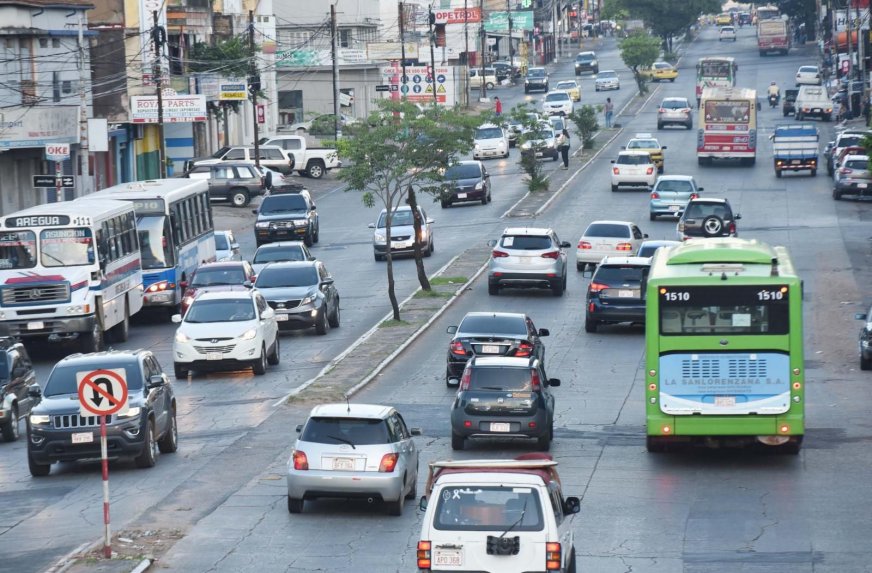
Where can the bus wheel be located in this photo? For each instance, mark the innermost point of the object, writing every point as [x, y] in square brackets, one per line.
[121, 331]
[792, 447]
[92, 341]
[655, 445]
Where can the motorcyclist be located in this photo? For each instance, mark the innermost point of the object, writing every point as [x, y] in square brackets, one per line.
[774, 94]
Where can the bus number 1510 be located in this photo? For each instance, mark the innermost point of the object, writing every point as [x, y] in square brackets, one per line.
[676, 296]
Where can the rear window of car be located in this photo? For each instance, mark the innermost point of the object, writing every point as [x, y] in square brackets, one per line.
[567, 85]
[633, 159]
[464, 171]
[500, 379]
[696, 210]
[488, 508]
[643, 144]
[221, 242]
[504, 325]
[674, 185]
[278, 254]
[857, 164]
[810, 69]
[357, 431]
[526, 242]
[271, 154]
[62, 379]
[283, 204]
[610, 275]
[608, 230]
[607, 75]
[218, 276]
[674, 104]
[536, 73]
[585, 57]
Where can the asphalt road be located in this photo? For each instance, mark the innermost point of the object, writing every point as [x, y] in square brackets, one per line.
[707, 511]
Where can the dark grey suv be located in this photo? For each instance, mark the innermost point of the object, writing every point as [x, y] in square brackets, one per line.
[19, 392]
[235, 182]
[502, 397]
[707, 217]
[57, 432]
[302, 293]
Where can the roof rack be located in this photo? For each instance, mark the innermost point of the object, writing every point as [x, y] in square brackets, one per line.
[534, 463]
[287, 188]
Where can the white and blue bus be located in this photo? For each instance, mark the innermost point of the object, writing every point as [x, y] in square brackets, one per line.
[70, 270]
[176, 233]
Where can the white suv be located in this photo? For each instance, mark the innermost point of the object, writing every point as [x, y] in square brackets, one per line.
[557, 103]
[228, 330]
[633, 169]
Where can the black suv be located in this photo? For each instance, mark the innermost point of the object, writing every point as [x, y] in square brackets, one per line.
[707, 217]
[788, 102]
[302, 293]
[616, 292]
[465, 181]
[492, 334]
[57, 432]
[19, 392]
[537, 79]
[586, 62]
[286, 214]
[501, 397]
[232, 181]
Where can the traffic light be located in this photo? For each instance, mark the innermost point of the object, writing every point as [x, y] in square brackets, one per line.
[253, 84]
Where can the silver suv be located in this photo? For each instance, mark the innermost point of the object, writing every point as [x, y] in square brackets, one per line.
[675, 110]
[853, 177]
[528, 257]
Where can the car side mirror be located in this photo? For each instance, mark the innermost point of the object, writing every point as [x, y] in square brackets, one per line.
[664, 147]
[571, 505]
[644, 235]
[299, 428]
[451, 329]
[612, 161]
[371, 226]
[267, 314]
[544, 332]
[176, 318]
[492, 243]
[860, 316]
[254, 211]
[156, 380]
[554, 381]
[623, 147]
[565, 245]
[312, 208]
[328, 281]
[738, 216]
[700, 188]
[422, 505]
[34, 391]
[246, 283]
[416, 431]
[430, 221]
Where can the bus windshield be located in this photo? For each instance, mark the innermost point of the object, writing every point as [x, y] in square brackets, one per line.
[154, 242]
[66, 247]
[17, 250]
[759, 309]
[727, 111]
[715, 69]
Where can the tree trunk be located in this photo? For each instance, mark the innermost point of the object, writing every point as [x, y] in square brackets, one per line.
[416, 219]
[390, 263]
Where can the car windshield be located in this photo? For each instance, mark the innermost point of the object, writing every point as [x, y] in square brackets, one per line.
[62, 381]
[674, 104]
[536, 73]
[676, 185]
[283, 204]
[699, 210]
[618, 275]
[154, 242]
[220, 310]
[558, 96]
[17, 250]
[488, 133]
[221, 242]
[526, 242]
[850, 141]
[272, 277]
[633, 159]
[66, 247]
[566, 85]
[399, 218]
[607, 75]
[462, 171]
[220, 153]
[503, 325]
[643, 144]
[279, 254]
[500, 379]
[540, 134]
[649, 249]
[584, 57]
[488, 508]
[608, 230]
[335, 431]
[218, 276]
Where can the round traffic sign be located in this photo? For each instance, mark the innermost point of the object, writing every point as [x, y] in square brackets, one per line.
[440, 78]
[404, 88]
[102, 392]
[416, 89]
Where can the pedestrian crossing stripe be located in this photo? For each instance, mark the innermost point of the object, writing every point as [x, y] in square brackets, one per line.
[440, 89]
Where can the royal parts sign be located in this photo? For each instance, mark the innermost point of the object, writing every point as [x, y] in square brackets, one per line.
[176, 109]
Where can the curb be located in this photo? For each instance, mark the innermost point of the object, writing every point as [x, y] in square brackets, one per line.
[143, 565]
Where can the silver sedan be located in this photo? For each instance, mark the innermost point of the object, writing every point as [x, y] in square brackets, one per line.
[671, 194]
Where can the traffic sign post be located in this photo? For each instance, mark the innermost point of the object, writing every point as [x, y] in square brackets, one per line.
[59, 188]
[102, 393]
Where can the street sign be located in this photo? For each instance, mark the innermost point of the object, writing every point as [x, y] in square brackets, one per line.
[383, 88]
[57, 151]
[102, 392]
[52, 181]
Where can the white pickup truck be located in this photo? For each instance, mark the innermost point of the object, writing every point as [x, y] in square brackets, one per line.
[311, 161]
[497, 516]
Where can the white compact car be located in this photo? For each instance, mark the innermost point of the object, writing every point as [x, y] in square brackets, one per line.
[607, 238]
[226, 247]
[557, 103]
[607, 80]
[727, 33]
[227, 330]
[808, 75]
[490, 141]
[633, 168]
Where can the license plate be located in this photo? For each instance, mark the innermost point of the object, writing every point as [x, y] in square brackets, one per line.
[490, 349]
[461, 195]
[281, 317]
[448, 557]
[35, 325]
[83, 438]
[625, 293]
[859, 186]
[343, 464]
[214, 356]
[816, 110]
[725, 401]
[795, 161]
[675, 207]
[500, 427]
[538, 154]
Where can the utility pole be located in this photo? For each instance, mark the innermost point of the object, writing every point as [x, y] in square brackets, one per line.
[554, 30]
[511, 49]
[483, 88]
[253, 86]
[432, 20]
[402, 50]
[84, 154]
[159, 36]
[466, 40]
[334, 43]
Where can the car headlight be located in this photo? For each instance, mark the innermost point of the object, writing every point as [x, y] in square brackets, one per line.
[526, 81]
[308, 300]
[249, 334]
[130, 413]
[380, 237]
[182, 337]
[593, 62]
[479, 186]
[39, 419]
[77, 309]
[264, 225]
[477, 146]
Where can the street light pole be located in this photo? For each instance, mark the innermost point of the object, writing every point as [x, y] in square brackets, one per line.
[511, 49]
[483, 87]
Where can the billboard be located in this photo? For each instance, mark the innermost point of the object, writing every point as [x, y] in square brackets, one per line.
[36, 126]
[458, 16]
[419, 86]
[376, 51]
[176, 109]
[499, 22]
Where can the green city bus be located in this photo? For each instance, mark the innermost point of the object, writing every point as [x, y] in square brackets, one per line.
[723, 335]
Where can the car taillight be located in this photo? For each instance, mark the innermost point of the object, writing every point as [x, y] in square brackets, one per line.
[596, 287]
[388, 463]
[535, 381]
[498, 254]
[553, 557]
[844, 171]
[655, 195]
[733, 228]
[300, 460]
[551, 255]
[159, 286]
[456, 347]
[616, 170]
[686, 110]
[584, 245]
[661, 110]
[649, 171]
[524, 349]
[424, 554]
[694, 195]
[464, 379]
[624, 247]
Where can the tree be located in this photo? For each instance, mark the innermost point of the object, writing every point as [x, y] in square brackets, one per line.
[398, 148]
[529, 145]
[229, 58]
[586, 124]
[639, 50]
[666, 18]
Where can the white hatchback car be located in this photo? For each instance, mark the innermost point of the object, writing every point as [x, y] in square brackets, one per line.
[808, 75]
[633, 168]
[727, 33]
[607, 238]
[557, 103]
[226, 247]
[490, 141]
[227, 330]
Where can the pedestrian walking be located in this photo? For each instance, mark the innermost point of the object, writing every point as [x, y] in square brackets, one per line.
[498, 106]
[563, 145]
[608, 110]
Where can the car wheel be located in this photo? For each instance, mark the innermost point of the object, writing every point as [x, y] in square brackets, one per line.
[484, 199]
[10, 428]
[334, 320]
[395, 508]
[448, 378]
[493, 289]
[661, 169]
[489, 85]
[814, 172]
[558, 287]
[322, 326]
[689, 125]
[121, 331]
[445, 204]
[865, 363]
[413, 491]
[590, 324]
[239, 197]
[315, 170]
[169, 443]
[572, 568]
[379, 257]
[180, 371]
[295, 505]
[652, 216]
[274, 357]
[259, 365]
[580, 267]
[543, 443]
[672, 80]
[778, 173]
[316, 236]
[614, 188]
[307, 238]
[659, 125]
[149, 449]
[457, 442]
[655, 444]
[837, 195]
[37, 469]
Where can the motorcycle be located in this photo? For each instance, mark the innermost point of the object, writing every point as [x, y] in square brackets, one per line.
[773, 100]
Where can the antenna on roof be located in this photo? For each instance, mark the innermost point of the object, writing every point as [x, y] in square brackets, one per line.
[774, 272]
[347, 404]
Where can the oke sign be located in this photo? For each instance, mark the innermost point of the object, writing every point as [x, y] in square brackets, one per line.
[57, 151]
[102, 392]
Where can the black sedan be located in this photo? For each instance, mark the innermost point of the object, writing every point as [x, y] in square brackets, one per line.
[465, 181]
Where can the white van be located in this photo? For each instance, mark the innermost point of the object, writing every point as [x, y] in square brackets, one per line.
[813, 101]
[490, 78]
